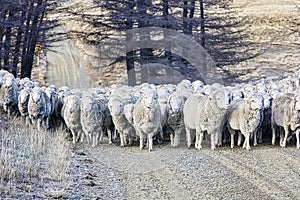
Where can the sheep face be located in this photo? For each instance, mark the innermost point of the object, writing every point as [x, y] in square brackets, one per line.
[150, 99]
[23, 96]
[117, 107]
[8, 80]
[267, 101]
[256, 102]
[175, 104]
[36, 95]
[223, 98]
[73, 103]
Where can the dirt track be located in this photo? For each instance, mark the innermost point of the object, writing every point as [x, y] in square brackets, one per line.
[112, 172]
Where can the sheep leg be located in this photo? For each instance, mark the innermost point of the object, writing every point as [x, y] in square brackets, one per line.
[172, 139]
[74, 136]
[150, 142]
[255, 138]
[212, 143]
[297, 132]
[129, 140]
[197, 140]
[232, 132]
[161, 135]
[109, 133]
[141, 141]
[101, 136]
[286, 132]
[47, 122]
[188, 137]
[239, 139]
[201, 136]
[141, 144]
[27, 121]
[39, 122]
[273, 134]
[122, 137]
[260, 135]
[247, 143]
[94, 139]
[115, 134]
[82, 136]
[218, 140]
[176, 139]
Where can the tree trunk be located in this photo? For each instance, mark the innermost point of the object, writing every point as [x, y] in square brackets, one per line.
[34, 29]
[202, 24]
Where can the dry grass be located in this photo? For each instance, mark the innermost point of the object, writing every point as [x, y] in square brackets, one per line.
[33, 163]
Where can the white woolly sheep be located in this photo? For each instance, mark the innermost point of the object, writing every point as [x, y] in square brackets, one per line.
[71, 115]
[9, 94]
[2, 74]
[206, 113]
[91, 118]
[23, 99]
[285, 114]
[146, 117]
[123, 125]
[245, 115]
[108, 125]
[39, 107]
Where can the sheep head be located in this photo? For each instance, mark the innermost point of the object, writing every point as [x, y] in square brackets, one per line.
[24, 96]
[150, 99]
[8, 80]
[222, 98]
[116, 107]
[256, 102]
[175, 103]
[36, 94]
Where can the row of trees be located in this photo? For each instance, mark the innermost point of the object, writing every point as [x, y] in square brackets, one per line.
[23, 28]
[212, 23]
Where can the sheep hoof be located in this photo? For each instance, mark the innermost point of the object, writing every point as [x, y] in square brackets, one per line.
[213, 148]
[199, 148]
[141, 148]
[255, 144]
[298, 147]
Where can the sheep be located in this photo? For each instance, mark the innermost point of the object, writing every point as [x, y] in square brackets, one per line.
[39, 107]
[23, 99]
[175, 123]
[285, 113]
[205, 113]
[245, 115]
[9, 94]
[91, 118]
[62, 93]
[163, 95]
[147, 117]
[266, 122]
[108, 124]
[2, 74]
[71, 114]
[122, 124]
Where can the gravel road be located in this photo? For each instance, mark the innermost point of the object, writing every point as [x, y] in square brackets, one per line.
[112, 172]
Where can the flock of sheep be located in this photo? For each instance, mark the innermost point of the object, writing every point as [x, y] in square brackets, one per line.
[150, 112]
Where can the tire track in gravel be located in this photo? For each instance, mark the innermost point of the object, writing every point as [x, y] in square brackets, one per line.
[143, 174]
[266, 168]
